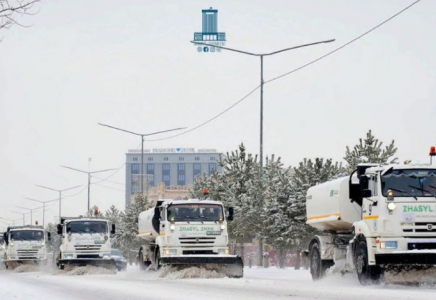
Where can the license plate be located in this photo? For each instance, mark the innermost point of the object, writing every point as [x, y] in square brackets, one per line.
[213, 232]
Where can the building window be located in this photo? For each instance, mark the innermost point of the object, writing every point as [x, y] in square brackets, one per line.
[166, 168]
[135, 159]
[181, 167]
[181, 158]
[197, 158]
[197, 169]
[150, 158]
[212, 158]
[212, 168]
[134, 168]
[150, 171]
[181, 179]
[166, 180]
[165, 158]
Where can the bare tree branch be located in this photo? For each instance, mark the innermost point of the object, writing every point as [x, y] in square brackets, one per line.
[10, 10]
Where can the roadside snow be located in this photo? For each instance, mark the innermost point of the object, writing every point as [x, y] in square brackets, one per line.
[193, 272]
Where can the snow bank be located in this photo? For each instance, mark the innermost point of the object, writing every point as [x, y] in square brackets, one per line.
[26, 268]
[86, 270]
[192, 272]
[416, 277]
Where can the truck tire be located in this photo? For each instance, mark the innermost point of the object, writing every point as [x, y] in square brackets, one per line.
[318, 266]
[157, 260]
[367, 274]
[142, 266]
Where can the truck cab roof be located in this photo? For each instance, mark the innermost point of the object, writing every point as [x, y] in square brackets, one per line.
[26, 227]
[166, 202]
[377, 169]
[65, 220]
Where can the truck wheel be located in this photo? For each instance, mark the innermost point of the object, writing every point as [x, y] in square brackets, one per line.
[315, 262]
[141, 261]
[367, 274]
[157, 260]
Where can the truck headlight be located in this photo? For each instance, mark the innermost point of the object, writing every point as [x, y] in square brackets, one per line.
[391, 206]
[223, 226]
[223, 251]
[106, 256]
[389, 245]
[168, 252]
[172, 227]
[68, 256]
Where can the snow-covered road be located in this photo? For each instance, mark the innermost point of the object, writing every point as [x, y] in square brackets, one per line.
[257, 283]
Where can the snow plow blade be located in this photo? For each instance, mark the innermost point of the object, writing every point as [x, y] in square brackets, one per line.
[105, 263]
[231, 266]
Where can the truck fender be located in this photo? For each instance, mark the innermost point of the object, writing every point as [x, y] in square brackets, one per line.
[363, 233]
[326, 246]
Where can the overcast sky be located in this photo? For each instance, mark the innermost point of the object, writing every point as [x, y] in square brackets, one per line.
[130, 64]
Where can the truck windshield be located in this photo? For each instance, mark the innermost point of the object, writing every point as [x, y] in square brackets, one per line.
[195, 212]
[410, 183]
[27, 235]
[87, 227]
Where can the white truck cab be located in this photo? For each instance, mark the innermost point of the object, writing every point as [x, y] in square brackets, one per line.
[24, 244]
[382, 217]
[187, 233]
[85, 241]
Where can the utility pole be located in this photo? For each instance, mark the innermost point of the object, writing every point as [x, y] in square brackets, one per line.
[261, 55]
[43, 207]
[31, 212]
[89, 173]
[60, 195]
[20, 213]
[142, 135]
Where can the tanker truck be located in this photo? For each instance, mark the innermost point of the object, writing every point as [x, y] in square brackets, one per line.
[380, 218]
[84, 241]
[187, 233]
[24, 245]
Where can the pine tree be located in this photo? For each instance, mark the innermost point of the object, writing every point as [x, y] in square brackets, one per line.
[114, 215]
[126, 236]
[370, 150]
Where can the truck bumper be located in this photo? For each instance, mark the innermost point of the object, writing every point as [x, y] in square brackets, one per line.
[406, 259]
[88, 262]
[201, 259]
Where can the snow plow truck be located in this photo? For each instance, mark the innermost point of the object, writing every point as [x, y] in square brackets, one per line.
[24, 245]
[380, 218]
[187, 233]
[85, 241]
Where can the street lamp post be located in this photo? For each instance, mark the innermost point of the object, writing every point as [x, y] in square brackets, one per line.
[142, 135]
[43, 207]
[89, 181]
[20, 213]
[31, 212]
[261, 55]
[60, 195]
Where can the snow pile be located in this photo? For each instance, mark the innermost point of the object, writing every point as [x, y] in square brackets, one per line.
[422, 277]
[85, 270]
[26, 268]
[192, 272]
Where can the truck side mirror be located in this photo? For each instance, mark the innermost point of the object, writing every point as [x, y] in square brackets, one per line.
[157, 212]
[364, 182]
[5, 235]
[49, 236]
[59, 228]
[113, 229]
[231, 214]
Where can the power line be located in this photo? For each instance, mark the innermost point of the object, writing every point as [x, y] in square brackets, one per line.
[290, 72]
[210, 120]
[344, 45]
[109, 187]
[102, 179]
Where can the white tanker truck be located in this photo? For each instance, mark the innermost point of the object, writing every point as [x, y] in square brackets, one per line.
[186, 233]
[379, 218]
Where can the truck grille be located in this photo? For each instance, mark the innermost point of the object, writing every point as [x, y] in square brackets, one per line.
[421, 227]
[195, 252]
[87, 248]
[421, 246]
[88, 256]
[29, 252]
[197, 240]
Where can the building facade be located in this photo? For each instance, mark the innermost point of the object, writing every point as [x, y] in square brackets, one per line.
[172, 166]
